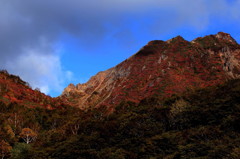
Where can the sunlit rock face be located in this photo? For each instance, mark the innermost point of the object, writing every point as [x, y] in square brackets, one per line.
[163, 68]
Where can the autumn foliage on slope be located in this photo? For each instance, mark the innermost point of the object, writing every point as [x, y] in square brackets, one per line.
[202, 123]
[161, 67]
[15, 90]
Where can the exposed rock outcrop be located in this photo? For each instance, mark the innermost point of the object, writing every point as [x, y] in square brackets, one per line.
[162, 68]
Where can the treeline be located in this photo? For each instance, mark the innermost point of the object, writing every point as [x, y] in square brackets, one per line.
[203, 123]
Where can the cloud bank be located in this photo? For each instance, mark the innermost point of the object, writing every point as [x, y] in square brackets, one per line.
[30, 31]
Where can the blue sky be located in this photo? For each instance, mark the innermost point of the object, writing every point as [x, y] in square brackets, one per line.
[53, 43]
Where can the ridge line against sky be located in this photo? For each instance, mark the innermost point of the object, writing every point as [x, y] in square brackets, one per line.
[53, 43]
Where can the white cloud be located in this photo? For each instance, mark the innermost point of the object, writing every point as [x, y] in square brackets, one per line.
[40, 70]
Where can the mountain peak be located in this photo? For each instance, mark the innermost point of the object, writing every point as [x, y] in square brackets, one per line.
[226, 37]
[151, 47]
[216, 41]
[176, 39]
[161, 67]
[155, 42]
[179, 37]
[70, 88]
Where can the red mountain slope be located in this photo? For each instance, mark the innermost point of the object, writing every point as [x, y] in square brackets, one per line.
[13, 89]
[162, 67]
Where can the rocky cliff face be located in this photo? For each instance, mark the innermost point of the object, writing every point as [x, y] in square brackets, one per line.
[161, 67]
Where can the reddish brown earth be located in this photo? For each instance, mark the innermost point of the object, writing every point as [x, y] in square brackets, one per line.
[14, 90]
[161, 67]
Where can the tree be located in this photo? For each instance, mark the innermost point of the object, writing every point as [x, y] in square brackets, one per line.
[5, 149]
[8, 133]
[28, 135]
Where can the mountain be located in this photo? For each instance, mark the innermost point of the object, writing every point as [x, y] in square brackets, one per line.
[189, 107]
[14, 90]
[161, 67]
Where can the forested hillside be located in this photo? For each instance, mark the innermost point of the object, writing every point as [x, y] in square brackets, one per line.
[201, 123]
[14, 90]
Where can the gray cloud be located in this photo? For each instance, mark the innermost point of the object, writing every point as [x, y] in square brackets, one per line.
[30, 30]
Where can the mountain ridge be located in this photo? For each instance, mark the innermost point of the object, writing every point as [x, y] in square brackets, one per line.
[168, 99]
[160, 67]
[14, 90]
